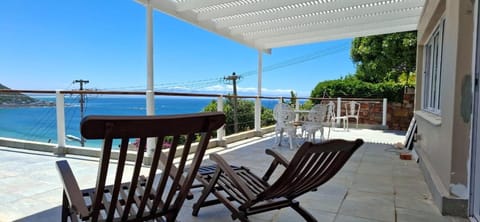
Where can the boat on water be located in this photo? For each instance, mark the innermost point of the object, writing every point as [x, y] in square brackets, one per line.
[73, 138]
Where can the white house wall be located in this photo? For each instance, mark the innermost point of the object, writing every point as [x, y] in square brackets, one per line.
[443, 142]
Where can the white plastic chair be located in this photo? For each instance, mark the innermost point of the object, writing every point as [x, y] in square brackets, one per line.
[285, 116]
[352, 110]
[330, 118]
[315, 122]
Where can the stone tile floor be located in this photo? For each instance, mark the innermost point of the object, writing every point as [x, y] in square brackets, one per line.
[374, 186]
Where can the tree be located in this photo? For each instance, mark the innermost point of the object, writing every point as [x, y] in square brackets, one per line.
[384, 58]
[246, 114]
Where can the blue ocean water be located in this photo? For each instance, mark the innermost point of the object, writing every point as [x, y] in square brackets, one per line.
[39, 123]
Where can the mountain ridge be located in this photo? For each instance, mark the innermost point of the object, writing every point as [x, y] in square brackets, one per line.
[19, 99]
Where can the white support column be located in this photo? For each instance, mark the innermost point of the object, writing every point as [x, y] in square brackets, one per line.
[221, 130]
[60, 107]
[339, 108]
[258, 103]
[150, 90]
[384, 115]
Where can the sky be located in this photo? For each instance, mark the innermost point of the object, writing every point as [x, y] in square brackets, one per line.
[48, 44]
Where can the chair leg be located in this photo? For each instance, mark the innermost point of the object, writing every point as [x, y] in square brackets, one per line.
[278, 138]
[290, 139]
[329, 129]
[65, 210]
[241, 216]
[281, 137]
[306, 215]
[322, 137]
[205, 192]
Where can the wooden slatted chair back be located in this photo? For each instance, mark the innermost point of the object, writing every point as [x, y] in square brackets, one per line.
[311, 166]
[159, 198]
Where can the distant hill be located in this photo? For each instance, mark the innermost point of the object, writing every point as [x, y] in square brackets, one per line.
[19, 99]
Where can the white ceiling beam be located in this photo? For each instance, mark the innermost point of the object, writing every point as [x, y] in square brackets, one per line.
[348, 31]
[378, 20]
[264, 24]
[190, 17]
[319, 8]
[247, 8]
[341, 17]
[195, 4]
[320, 38]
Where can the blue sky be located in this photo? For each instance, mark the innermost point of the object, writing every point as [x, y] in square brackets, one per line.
[47, 44]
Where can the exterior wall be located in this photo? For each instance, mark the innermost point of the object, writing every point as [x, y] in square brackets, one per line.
[443, 140]
[462, 103]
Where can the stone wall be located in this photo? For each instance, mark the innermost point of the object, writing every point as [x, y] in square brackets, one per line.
[399, 115]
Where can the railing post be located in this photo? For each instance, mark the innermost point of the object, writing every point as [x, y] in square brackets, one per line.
[339, 108]
[150, 112]
[221, 130]
[384, 115]
[258, 115]
[297, 107]
[258, 101]
[60, 108]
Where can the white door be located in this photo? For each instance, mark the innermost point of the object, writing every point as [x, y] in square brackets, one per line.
[475, 160]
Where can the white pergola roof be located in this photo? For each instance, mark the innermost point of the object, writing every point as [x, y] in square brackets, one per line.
[267, 24]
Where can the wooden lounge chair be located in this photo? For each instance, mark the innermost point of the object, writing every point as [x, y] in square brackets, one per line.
[244, 193]
[156, 197]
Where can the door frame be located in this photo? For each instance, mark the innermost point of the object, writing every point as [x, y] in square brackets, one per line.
[474, 202]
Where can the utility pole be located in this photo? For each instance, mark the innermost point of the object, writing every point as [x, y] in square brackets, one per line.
[234, 78]
[82, 102]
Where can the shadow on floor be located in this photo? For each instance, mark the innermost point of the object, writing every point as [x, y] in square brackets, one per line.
[49, 215]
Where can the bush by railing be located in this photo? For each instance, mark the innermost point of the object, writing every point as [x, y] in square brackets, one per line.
[352, 87]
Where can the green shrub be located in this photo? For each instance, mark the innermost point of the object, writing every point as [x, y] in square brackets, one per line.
[351, 87]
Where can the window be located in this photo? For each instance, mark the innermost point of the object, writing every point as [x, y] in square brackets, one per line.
[433, 70]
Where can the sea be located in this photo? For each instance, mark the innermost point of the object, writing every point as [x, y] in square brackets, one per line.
[38, 123]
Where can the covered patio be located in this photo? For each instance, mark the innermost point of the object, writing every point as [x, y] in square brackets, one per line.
[375, 185]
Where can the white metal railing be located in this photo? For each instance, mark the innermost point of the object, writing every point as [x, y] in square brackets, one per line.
[221, 133]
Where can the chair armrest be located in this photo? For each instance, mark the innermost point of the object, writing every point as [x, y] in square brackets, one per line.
[277, 159]
[239, 183]
[71, 189]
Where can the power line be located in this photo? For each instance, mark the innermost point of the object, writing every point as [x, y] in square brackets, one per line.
[212, 81]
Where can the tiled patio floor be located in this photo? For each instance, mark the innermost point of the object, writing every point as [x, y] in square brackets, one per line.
[375, 185]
